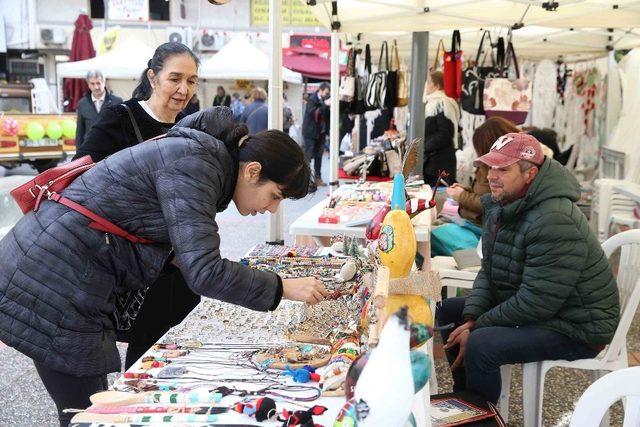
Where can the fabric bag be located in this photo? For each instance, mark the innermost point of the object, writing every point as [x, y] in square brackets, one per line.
[391, 96]
[348, 81]
[402, 86]
[510, 99]
[362, 85]
[453, 68]
[377, 85]
[474, 77]
[368, 82]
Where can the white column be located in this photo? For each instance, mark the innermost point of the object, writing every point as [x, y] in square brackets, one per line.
[275, 232]
[334, 122]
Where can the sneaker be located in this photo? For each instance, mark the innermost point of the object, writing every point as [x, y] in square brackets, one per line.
[320, 183]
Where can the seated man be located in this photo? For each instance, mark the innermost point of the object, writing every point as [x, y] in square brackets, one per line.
[545, 290]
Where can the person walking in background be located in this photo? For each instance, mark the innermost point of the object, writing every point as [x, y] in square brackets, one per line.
[256, 114]
[221, 98]
[237, 106]
[92, 103]
[193, 106]
[287, 115]
[442, 116]
[314, 128]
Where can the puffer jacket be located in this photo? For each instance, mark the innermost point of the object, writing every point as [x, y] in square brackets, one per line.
[542, 265]
[58, 277]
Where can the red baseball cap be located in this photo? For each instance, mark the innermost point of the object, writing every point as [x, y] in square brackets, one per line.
[510, 148]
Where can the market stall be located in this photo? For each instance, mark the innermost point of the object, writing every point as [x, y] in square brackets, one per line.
[297, 365]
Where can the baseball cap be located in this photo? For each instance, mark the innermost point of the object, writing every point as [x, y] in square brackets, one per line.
[510, 148]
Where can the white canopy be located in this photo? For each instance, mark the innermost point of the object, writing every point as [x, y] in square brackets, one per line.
[126, 60]
[577, 27]
[241, 60]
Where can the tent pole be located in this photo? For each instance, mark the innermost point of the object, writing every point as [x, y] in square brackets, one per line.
[419, 56]
[334, 121]
[275, 233]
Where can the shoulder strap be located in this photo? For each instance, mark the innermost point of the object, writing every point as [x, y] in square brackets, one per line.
[98, 222]
[136, 129]
[455, 41]
[384, 49]
[437, 57]
[485, 35]
[367, 59]
[511, 50]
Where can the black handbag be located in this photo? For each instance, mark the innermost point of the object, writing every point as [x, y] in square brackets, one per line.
[359, 105]
[473, 77]
[391, 97]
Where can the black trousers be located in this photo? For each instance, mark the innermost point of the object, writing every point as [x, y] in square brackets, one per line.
[68, 391]
[314, 149]
[166, 304]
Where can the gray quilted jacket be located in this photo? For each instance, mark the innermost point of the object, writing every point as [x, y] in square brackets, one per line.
[58, 276]
[543, 266]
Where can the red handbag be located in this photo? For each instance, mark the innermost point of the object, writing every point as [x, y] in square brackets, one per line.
[51, 182]
[453, 68]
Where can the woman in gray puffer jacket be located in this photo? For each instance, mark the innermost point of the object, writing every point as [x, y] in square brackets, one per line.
[59, 278]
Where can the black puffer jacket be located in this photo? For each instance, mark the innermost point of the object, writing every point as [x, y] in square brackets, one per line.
[58, 276]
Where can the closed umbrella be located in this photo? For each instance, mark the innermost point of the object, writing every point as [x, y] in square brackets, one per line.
[81, 48]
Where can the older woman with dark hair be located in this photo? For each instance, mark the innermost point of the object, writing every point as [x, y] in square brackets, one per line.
[165, 88]
[59, 277]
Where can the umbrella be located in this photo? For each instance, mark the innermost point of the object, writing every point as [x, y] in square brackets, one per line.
[81, 48]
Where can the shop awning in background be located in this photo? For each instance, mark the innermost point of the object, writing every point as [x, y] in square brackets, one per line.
[81, 49]
[311, 63]
[126, 60]
[241, 60]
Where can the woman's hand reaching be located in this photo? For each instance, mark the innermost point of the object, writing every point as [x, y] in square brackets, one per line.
[306, 289]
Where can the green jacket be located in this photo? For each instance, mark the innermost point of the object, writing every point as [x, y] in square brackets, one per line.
[543, 266]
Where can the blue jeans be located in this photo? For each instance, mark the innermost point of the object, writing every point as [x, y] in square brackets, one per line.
[491, 347]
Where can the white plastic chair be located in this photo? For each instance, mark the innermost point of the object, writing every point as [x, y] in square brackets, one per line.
[596, 400]
[450, 276]
[612, 358]
[610, 207]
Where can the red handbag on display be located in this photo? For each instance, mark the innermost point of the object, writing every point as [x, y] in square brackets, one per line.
[51, 182]
[453, 68]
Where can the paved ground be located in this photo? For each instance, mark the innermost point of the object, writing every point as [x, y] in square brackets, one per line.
[24, 401]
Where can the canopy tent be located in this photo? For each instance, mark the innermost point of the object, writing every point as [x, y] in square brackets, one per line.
[366, 16]
[241, 60]
[540, 29]
[126, 60]
[530, 42]
[576, 27]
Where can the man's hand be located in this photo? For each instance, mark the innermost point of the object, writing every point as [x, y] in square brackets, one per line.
[306, 289]
[327, 102]
[459, 337]
[455, 191]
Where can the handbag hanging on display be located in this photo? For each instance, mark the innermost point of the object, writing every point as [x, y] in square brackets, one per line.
[348, 81]
[453, 68]
[402, 92]
[377, 88]
[510, 99]
[473, 78]
[358, 105]
[391, 97]
[370, 86]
